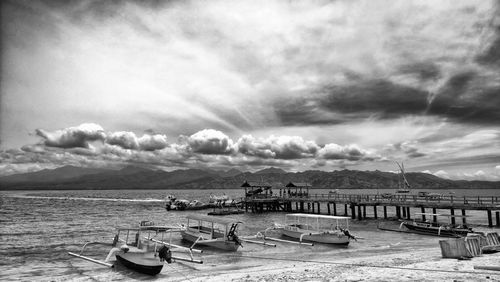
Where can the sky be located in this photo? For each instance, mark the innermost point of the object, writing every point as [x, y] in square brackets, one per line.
[250, 84]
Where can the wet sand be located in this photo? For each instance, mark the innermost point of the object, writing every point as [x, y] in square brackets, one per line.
[419, 265]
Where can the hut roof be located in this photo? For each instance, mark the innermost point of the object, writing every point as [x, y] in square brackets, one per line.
[256, 184]
[298, 184]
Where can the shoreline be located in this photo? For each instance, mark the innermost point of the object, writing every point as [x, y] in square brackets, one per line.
[419, 265]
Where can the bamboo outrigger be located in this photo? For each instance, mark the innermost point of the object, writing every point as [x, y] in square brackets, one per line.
[143, 254]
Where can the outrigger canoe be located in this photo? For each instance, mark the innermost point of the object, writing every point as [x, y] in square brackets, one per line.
[216, 232]
[318, 228]
[144, 254]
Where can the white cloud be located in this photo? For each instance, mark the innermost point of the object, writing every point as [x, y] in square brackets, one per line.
[442, 174]
[279, 147]
[210, 141]
[78, 136]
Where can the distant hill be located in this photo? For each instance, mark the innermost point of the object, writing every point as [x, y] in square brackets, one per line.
[270, 170]
[52, 175]
[131, 177]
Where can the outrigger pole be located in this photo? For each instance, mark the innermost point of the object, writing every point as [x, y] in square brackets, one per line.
[175, 246]
[91, 259]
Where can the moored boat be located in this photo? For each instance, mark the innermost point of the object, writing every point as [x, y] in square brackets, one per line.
[436, 228]
[215, 232]
[318, 228]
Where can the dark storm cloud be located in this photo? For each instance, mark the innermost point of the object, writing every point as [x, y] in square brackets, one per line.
[380, 98]
[466, 97]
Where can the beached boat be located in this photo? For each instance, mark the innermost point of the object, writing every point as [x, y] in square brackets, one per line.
[216, 232]
[318, 228]
[436, 228]
[135, 251]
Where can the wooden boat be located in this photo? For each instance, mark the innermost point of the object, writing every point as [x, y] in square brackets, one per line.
[141, 253]
[318, 228]
[436, 228]
[215, 232]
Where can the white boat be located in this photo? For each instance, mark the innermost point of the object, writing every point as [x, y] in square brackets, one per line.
[144, 254]
[318, 228]
[215, 232]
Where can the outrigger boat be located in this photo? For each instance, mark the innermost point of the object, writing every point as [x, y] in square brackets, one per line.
[317, 228]
[435, 228]
[216, 232]
[143, 254]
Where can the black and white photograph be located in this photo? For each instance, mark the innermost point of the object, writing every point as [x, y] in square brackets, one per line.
[250, 140]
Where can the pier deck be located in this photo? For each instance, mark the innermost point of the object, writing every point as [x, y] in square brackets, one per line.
[402, 203]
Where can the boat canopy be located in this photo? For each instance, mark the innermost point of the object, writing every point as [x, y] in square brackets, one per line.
[318, 216]
[206, 218]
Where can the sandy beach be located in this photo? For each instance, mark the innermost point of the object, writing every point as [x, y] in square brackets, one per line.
[419, 265]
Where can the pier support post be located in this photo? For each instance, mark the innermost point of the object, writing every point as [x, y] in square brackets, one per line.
[334, 209]
[408, 214]
[364, 212]
[345, 210]
[328, 207]
[319, 207]
[360, 216]
[434, 218]
[296, 206]
[313, 206]
[375, 212]
[422, 209]
[302, 206]
[464, 221]
[404, 212]
[497, 215]
[490, 219]
[353, 211]
[398, 212]
[452, 212]
[385, 212]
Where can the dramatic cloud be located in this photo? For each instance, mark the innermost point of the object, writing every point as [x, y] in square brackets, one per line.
[128, 140]
[279, 147]
[73, 136]
[337, 152]
[414, 81]
[209, 141]
[124, 139]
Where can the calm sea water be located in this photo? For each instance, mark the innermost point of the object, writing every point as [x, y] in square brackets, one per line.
[38, 228]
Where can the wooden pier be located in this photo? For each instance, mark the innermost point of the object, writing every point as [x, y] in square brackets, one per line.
[356, 205]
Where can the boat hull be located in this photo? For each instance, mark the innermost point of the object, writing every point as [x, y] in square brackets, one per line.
[434, 230]
[141, 262]
[218, 244]
[336, 238]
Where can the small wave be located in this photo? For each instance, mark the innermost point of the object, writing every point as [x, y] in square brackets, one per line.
[90, 199]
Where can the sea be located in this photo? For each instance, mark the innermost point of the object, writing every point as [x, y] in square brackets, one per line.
[39, 228]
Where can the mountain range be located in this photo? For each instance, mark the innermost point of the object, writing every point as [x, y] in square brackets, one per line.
[132, 177]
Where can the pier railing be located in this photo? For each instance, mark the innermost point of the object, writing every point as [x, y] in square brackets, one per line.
[393, 198]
